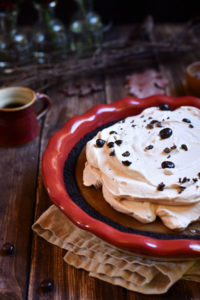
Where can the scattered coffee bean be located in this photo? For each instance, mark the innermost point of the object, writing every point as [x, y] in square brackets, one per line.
[164, 106]
[198, 175]
[173, 147]
[46, 285]
[118, 142]
[110, 144]
[181, 189]
[186, 120]
[7, 249]
[195, 179]
[150, 118]
[100, 143]
[125, 154]
[161, 186]
[168, 156]
[149, 147]
[184, 147]
[133, 125]
[158, 124]
[165, 133]
[142, 116]
[126, 163]
[149, 126]
[167, 164]
[112, 132]
[191, 126]
[112, 153]
[153, 122]
[183, 180]
[166, 150]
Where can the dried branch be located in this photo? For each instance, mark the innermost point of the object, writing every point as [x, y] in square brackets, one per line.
[113, 54]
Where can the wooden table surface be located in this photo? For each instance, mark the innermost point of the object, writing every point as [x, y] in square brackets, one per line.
[24, 199]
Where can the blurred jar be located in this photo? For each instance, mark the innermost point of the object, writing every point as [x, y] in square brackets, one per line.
[49, 37]
[14, 45]
[86, 28]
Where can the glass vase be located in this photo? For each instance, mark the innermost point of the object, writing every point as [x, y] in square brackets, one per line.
[49, 38]
[14, 45]
[86, 28]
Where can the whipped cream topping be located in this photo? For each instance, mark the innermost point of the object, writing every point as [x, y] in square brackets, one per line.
[149, 165]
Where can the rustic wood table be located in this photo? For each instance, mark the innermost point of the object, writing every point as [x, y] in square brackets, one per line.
[24, 199]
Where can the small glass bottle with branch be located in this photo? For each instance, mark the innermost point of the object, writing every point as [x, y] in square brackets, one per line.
[49, 41]
[14, 45]
[86, 28]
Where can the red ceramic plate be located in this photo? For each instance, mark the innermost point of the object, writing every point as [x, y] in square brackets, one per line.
[56, 159]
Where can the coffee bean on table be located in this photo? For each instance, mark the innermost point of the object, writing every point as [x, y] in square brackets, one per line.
[7, 249]
[46, 285]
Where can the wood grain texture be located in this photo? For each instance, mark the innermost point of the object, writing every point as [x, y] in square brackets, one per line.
[17, 185]
[69, 283]
[24, 198]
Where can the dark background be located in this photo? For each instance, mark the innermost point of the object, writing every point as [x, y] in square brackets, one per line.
[122, 11]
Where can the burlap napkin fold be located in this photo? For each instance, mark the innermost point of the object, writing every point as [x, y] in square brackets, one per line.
[103, 261]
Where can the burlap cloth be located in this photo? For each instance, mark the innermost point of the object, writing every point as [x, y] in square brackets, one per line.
[103, 261]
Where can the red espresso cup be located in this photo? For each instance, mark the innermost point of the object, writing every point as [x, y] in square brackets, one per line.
[18, 118]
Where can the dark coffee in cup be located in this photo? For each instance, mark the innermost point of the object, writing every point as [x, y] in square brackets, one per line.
[13, 105]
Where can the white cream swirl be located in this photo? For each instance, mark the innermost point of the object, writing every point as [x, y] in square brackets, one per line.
[133, 165]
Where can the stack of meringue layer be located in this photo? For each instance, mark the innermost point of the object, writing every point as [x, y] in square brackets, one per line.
[148, 165]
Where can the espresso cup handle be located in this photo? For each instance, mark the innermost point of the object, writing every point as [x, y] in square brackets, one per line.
[46, 100]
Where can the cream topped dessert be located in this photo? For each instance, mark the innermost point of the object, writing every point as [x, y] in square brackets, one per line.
[149, 165]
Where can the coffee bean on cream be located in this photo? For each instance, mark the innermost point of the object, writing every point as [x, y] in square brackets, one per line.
[164, 106]
[100, 143]
[165, 133]
[135, 174]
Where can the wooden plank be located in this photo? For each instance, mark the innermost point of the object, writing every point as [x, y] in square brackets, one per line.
[47, 260]
[17, 185]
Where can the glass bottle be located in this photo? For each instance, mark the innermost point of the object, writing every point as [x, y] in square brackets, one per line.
[14, 45]
[49, 38]
[86, 28]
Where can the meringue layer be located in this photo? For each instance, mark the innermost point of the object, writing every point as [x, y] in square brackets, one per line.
[149, 165]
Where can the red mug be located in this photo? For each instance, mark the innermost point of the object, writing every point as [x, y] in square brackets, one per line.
[18, 119]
